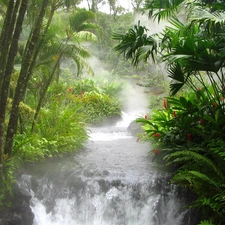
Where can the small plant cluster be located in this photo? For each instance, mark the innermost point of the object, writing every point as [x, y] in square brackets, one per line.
[100, 103]
[188, 134]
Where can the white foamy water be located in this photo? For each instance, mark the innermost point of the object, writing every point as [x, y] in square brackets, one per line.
[111, 182]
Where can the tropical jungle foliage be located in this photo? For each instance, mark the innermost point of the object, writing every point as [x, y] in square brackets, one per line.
[46, 103]
[189, 132]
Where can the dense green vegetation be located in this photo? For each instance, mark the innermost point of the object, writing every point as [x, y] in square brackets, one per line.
[48, 98]
[48, 91]
[189, 132]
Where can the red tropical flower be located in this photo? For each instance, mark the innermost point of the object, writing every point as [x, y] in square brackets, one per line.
[157, 135]
[189, 137]
[201, 121]
[174, 114]
[146, 117]
[214, 104]
[199, 89]
[165, 103]
[156, 151]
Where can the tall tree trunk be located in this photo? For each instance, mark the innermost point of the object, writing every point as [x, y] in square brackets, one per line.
[25, 74]
[6, 36]
[8, 63]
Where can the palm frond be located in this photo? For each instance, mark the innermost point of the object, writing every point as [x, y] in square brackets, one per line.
[177, 75]
[85, 36]
[136, 45]
[200, 14]
[80, 19]
[162, 9]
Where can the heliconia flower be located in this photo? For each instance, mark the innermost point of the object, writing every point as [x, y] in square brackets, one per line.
[165, 103]
[201, 121]
[214, 104]
[146, 117]
[174, 114]
[156, 135]
[156, 151]
[189, 137]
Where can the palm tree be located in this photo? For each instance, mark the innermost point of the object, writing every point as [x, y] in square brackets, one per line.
[68, 47]
[187, 48]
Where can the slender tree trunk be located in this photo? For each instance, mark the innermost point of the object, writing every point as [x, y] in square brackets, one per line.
[6, 36]
[25, 74]
[8, 63]
[43, 92]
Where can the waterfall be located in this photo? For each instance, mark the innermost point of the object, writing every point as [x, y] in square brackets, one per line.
[112, 182]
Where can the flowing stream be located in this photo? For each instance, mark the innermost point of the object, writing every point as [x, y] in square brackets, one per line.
[111, 182]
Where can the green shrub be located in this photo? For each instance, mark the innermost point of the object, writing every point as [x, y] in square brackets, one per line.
[99, 107]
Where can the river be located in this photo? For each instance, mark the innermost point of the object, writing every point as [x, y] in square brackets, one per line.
[113, 181]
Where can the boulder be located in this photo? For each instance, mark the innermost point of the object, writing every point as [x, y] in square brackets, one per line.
[134, 128]
[20, 212]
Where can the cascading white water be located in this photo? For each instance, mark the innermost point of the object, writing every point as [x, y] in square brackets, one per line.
[111, 182]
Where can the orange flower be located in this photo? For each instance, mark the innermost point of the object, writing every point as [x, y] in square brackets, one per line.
[70, 89]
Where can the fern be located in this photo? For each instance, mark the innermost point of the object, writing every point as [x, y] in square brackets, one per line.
[188, 156]
[194, 179]
[206, 222]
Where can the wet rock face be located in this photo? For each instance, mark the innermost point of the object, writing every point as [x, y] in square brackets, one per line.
[134, 129]
[20, 213]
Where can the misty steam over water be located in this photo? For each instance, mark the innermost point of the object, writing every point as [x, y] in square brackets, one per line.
[111, 182]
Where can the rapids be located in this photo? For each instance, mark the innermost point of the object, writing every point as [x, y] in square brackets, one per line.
[113, 181]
